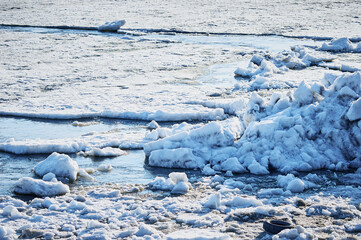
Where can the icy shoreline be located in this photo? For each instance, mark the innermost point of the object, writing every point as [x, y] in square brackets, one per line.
[131, 211]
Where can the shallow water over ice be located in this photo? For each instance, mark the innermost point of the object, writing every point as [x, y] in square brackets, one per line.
[23, 128]
[126, 169]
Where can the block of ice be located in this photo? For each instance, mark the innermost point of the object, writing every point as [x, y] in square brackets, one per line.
[354, 112]
[59, 164]
[27, 185]
[111, 26]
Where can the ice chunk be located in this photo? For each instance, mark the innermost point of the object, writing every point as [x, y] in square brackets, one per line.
[244, 202]
[104, 152]
[59, 164]
[339, 45]
[111, 26]
[296, 186]
[232, 164]
[303, 94]
[105, 167]
[175, 158]
[12, 212]
[257, 168]
[145, 230]
[180, 188]
[177, 177]
[160, 183]
[271, 192]
[27, 185]
[346, 91]
[214, 201]
[49, 177]
[7, 233]
[353, 81]
[153, 125]
[207, 170]
[354, 113]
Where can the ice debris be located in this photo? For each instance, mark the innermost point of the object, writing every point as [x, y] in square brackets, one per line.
[316, 128]
[177, 183]
[103, 152]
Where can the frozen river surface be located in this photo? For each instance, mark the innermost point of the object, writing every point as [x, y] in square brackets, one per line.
[196, 120]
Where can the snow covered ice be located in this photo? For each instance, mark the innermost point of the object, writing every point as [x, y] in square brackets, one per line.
[185, 120]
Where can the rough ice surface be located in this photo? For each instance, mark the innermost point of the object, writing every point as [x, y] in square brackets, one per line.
[302, 136]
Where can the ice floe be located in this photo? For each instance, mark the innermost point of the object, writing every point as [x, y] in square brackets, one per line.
[38, 187]
[341, 45]
[111, 26]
